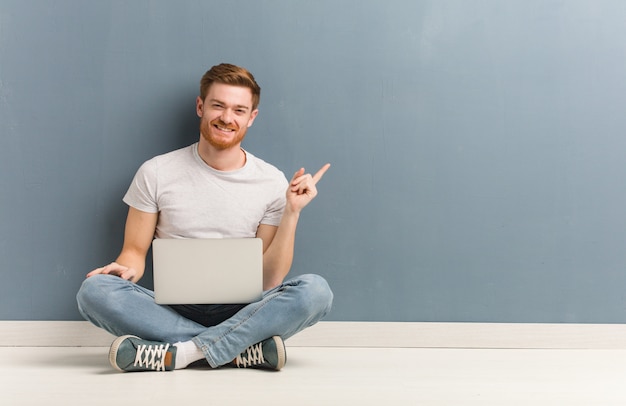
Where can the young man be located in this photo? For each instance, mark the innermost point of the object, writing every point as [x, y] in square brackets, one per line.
[211, 189]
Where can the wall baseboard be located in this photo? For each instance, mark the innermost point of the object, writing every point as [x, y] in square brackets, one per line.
[359, 334]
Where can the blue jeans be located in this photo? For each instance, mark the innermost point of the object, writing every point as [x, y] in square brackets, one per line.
[221, 331]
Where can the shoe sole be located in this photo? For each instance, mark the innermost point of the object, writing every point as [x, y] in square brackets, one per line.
[115, 346]
[281, 352]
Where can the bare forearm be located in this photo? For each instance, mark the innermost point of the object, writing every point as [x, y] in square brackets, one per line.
[138, 236]
[278, 258]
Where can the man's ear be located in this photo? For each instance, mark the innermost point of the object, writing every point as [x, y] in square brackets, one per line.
[199, 106]
[252, 117]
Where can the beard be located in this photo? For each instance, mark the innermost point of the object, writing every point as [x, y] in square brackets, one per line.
[217, 140]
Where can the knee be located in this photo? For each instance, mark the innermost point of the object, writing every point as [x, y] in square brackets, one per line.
[317, 296]
[93, 292]
[85, 296]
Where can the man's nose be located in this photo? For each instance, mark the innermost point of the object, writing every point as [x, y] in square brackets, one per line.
[227, 116]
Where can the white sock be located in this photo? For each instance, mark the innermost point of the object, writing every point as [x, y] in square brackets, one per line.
[186, 353]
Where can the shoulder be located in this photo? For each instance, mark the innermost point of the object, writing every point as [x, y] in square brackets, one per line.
[180, 157]
[264, 168]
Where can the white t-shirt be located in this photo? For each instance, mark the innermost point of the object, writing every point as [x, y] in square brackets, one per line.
[196, 201]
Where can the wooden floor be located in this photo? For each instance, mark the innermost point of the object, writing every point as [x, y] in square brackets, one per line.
[326, 376]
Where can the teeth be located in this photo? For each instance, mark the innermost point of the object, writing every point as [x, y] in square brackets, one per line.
[223, 128]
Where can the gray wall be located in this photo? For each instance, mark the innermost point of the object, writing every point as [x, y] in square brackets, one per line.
[477, 146]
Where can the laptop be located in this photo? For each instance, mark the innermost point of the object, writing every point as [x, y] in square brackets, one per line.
[207, 271]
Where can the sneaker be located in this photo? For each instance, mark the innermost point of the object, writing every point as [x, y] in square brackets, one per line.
[132, 354]
[268, 354]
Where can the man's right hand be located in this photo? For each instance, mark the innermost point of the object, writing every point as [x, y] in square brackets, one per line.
[115, 269]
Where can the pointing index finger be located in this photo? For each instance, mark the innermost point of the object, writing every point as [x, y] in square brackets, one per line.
[320, 173]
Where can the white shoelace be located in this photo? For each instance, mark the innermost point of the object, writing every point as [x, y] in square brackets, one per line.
[151, 356]
[252, 356]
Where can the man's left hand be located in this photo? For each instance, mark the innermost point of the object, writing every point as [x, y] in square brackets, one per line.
[302, 188]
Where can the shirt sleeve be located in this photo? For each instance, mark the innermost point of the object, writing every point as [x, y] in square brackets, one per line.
[275, 209]
[142, 193]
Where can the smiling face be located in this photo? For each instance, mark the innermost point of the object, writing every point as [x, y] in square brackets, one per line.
[225, 115]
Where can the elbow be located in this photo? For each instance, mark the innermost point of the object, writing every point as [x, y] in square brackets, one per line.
[274, 274]
[271, 283]
[273, 278]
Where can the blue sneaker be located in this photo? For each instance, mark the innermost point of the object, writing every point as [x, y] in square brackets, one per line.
[132, 354]
[268, 354]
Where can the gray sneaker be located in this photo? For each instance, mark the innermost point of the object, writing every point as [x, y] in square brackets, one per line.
[132, 354]
[268, 354]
